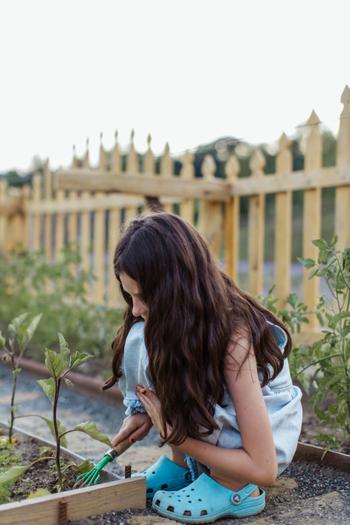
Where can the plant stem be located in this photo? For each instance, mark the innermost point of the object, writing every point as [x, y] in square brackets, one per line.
[57, 434]
[318, 361]
[12, 404]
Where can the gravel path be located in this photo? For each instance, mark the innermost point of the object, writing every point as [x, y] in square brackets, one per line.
[306, 493]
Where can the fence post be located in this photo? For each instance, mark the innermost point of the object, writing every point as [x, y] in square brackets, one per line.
[3, 216]
[132, 162]
[256, 229]
[231, 245]
[283, 224]
[36, 214]
[116, 157]
[342, 194]
[312, 213]
[167, 170]
[187, 173]
[210, 222]
[99, 251]
[48, 195]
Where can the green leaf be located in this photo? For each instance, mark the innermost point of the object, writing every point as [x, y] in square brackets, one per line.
[8, 479]
[68, 382]
[38, 493]
[2, 340]
[55, 363]
[48, 386]
[29, 332]
[308, 263]
[83, 467]
[92, 431]
[78, 358]
[64, 349]
[320, 243]
[61, 430]
[341, 315]
[16, 323]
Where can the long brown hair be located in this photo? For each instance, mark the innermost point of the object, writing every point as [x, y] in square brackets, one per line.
[194, 309]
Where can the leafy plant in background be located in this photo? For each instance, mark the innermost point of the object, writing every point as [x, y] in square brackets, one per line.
[20, 333]
[29, 283]
[323, 367]
[328, 359]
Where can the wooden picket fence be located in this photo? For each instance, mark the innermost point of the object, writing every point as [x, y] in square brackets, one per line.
[88, 205]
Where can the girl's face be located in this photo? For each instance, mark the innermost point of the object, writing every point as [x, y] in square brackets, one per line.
[131, 287]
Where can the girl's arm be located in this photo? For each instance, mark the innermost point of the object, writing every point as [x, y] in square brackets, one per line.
[256, 461]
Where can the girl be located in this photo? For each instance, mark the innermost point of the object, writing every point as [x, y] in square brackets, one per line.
[206, 364]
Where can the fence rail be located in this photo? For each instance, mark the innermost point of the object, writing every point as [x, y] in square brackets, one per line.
[88, 205]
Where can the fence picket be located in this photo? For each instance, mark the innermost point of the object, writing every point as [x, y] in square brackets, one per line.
[342, 194]
[256, 228]
[231, 243]
[312, 212]
[283, 225]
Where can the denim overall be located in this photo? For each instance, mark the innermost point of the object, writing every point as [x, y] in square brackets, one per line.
[282, 400]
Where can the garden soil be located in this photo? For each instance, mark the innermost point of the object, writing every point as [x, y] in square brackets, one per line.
[306, 493]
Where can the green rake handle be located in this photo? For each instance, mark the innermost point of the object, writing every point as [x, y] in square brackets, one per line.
[93, 476]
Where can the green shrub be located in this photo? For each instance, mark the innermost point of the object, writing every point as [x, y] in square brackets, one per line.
[323, 367]
[28, 283]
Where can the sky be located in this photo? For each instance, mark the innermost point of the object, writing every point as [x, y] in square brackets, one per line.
[186, 71]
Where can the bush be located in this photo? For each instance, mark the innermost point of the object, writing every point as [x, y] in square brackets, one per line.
[323, 367]
[28, 283]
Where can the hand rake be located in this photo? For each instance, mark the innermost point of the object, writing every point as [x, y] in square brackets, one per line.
[92, 477]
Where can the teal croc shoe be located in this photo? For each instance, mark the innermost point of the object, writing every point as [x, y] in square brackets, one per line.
[205, 501]
[165, 475]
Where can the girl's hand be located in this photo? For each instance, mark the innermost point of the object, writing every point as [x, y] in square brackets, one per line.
[134, 428]
[152, 406]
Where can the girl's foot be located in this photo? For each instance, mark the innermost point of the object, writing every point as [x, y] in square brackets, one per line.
[164, 475]
[205, 501]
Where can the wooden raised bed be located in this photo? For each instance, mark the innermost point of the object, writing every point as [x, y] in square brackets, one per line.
[56, 509]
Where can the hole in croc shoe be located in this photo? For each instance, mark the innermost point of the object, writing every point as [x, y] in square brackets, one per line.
[199, 499]
[189, 501]
[170, 508]
[153, 472]
[164, 486]
[157, 501]
[149, 491]
[192, 489]
[204, 512]
[187, 513]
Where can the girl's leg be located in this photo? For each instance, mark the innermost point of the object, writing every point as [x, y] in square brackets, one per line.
[178, 457]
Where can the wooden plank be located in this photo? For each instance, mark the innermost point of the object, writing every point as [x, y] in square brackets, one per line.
[114, 295]
[59, 244]
[48, 197]
[256, 244]
[256, 223]
[81, 503]
[187, 176]
[283, 225]
[87, 204]
[3, 216]
[99, 254]
[89, 180]
[231, 240]
[211, 225]
[325, 177]
[342, 195]
[312, 215]
[72, 220]
[85, 229]
[36, 214]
